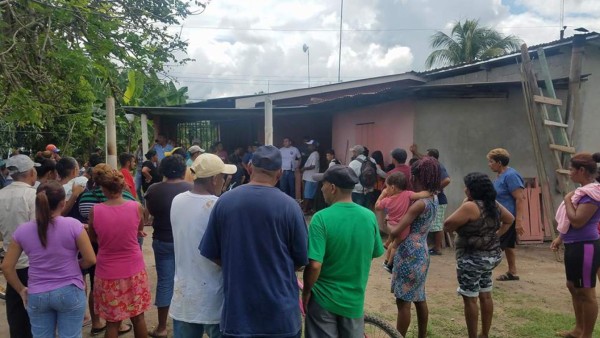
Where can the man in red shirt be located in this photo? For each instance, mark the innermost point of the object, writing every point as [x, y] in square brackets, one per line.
[127, 162]
[399, 160]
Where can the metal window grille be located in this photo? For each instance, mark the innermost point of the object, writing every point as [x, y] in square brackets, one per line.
[204, 132]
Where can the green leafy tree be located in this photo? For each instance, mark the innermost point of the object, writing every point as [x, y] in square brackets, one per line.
[468, 42]
[59, 59]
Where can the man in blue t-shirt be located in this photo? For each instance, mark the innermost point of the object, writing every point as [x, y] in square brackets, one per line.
[510, 192]
[258, 235]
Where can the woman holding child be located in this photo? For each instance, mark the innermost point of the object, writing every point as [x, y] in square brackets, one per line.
[479, 222]
[395, 200]
[578, 219]
[411, 261]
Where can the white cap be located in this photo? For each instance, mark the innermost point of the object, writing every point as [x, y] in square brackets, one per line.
[20, 164]
[209, 165]
[195, 149]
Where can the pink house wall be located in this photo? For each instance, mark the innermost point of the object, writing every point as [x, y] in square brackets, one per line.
[381, 127]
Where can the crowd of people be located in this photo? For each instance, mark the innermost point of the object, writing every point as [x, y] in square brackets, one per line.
[230, 235]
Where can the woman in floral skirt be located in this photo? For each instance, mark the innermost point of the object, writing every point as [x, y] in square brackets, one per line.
[121, 284]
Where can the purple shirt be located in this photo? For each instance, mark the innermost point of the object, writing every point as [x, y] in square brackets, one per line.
[588, 232]
[56, 265]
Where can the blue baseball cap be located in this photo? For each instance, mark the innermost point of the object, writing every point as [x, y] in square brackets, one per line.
[267, 158]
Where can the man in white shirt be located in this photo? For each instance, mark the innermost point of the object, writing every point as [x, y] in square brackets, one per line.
[290, 159]
[198, 292]
[17, 206]
[311, 167]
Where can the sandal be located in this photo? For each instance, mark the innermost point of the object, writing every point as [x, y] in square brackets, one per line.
[96, 331]
[565, 334]
[129, 327]
[154, 335]
[507, 277]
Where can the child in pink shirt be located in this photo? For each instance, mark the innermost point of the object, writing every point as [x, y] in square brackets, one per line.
[395, 200]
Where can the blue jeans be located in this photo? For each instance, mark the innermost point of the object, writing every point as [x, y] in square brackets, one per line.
[62, 308]
[138, 184]
[366, 200]
[164, 257]
[287, 183]
[298, 335]
[193, 330]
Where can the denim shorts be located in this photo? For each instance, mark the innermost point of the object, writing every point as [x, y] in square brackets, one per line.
[164, 257]
[310, 189]
[61, 309]
[193, 330]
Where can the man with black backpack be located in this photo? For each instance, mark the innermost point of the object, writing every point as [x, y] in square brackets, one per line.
[367, 172]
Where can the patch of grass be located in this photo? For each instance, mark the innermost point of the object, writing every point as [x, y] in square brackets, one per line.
[541, 323]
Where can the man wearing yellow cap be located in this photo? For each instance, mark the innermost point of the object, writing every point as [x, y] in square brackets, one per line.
[198, 292]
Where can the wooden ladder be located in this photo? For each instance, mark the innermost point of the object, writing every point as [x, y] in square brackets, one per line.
[544, 112]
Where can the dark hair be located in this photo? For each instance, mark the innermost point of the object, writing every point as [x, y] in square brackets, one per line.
[366, 151]
[433, 153]
[427, 172]
[179, 151]
[150, 154]
[124, 158]
[378, 157]
[482, 189]
[94, 160]
[399, 155]
[330, 151]
[65, 166]
[48, 197]
[108, 178]
[172, 167]
[586, 161]
[596, 157]
[46, 165]
[412, 161]
[398, 180]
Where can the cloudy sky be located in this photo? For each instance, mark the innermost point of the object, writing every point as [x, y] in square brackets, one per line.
[243, 47]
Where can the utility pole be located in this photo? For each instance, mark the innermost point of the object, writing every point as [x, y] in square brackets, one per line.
[340, 51]
[111, 133]
[306, 50]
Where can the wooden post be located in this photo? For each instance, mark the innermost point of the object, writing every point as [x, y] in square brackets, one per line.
[144, 119]
[573, 113]
[111, 133]
[268, 121]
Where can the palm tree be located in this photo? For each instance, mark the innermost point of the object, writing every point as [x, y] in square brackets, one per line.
[468, 43]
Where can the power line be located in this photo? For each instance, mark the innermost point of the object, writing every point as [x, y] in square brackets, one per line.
[271, 29]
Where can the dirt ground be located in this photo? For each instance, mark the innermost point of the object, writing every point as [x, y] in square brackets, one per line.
[536, 306]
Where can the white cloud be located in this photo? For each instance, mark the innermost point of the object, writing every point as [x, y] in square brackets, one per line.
[381, 37]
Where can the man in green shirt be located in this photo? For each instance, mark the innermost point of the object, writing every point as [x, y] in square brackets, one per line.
[342, 241]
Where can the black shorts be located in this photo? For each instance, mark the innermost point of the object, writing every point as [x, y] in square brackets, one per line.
[509, 239]
[582, 260]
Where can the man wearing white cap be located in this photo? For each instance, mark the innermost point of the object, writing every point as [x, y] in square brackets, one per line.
[17, 206]
[198, 293]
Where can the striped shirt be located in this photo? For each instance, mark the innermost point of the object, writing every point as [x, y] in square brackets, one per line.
[95, 196]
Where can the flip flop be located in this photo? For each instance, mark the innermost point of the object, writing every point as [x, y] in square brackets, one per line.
[507, 277]
[129, 328]
[96, 331]
[565, 334]
[154, 335]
